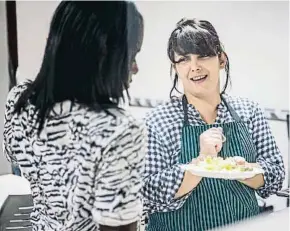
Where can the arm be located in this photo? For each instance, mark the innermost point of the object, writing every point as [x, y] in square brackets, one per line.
[164, 183]
[130, 227]
[255, 182]
[118, 180]
[189, 183]
[268, 157]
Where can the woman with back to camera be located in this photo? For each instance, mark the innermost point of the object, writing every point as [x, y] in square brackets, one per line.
[191, 127]
[81, 153]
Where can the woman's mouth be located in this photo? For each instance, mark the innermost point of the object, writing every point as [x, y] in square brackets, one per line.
[199, 79]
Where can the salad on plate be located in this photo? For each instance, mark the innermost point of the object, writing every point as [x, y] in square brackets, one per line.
[225, 168]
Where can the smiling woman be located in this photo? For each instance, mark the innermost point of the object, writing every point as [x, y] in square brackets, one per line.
[192, 127]
[198, 44]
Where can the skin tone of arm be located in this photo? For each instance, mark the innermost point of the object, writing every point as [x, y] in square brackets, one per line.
[189, 182]
[130, 227]
[256, 181]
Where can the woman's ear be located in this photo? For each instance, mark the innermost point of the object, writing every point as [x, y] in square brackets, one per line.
[222, 60]
[172, 68]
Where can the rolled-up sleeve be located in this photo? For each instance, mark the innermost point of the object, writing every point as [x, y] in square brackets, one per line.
[118, 183]
[268, 155]
[162, 179]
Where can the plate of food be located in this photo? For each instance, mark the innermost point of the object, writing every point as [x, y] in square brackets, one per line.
[231, 168]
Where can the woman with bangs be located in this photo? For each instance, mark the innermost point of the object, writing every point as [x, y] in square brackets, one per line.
[192, 126]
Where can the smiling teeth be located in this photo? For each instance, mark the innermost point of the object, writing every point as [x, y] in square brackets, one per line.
[199, 77]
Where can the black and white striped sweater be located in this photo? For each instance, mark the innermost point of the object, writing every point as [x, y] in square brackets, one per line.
[84, 169]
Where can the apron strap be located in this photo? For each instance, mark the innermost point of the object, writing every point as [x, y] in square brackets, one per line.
[231, 110]
[185, 110]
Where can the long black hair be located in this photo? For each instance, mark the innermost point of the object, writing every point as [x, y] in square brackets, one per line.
[88, 56]
[193, 36]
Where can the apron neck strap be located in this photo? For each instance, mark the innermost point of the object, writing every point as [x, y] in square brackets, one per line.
[185, 110]
[229, 107]
[231, 110]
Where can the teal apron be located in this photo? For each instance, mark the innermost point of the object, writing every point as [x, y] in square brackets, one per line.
[214, 202]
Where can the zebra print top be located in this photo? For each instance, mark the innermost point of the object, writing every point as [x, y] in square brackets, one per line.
[84, 169]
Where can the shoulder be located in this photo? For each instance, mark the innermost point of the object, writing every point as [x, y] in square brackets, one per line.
[244, 107]
[13, 96]
[118, 136]
[114, 122]
[16, 91]
[165, 114]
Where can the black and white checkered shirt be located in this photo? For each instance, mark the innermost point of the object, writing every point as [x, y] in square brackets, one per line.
[163, 176]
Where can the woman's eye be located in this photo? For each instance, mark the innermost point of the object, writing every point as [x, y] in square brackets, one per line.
[182, 60]
[203, 56]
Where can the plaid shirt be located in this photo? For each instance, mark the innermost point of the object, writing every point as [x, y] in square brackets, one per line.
[163, 176]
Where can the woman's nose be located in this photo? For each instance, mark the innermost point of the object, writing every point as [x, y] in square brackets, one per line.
[195, 66]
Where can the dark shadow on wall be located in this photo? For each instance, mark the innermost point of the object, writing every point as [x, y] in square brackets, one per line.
[12, 41]
[12, 52]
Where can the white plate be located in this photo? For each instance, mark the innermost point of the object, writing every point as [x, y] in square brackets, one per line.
[224, 174]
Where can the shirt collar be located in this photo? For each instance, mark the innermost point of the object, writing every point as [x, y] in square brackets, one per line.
[222, 110]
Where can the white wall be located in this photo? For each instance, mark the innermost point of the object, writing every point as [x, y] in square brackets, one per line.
[255, 36]
[33, 19]
[4, 84]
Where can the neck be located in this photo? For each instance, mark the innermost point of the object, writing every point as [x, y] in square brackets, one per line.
[201, 102]
[206, 106]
